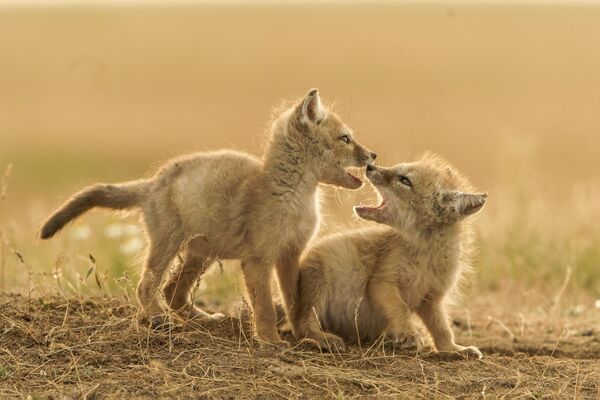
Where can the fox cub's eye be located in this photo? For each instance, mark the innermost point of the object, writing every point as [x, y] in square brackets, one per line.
[345, 139]
[404, 180]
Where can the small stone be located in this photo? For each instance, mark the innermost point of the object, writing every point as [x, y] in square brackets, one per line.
[587, 332]
[577, 310]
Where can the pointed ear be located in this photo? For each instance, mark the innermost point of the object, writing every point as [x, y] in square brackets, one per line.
[312, 110]
[467, 203]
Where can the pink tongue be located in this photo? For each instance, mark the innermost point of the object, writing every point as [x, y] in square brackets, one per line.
[367, 208]
[371, 208]
[356, 179]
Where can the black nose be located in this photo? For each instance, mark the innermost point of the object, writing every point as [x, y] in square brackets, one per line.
[370, 167]
[373, 156]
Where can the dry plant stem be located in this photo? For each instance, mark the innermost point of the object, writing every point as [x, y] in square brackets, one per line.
[505, 328]
[3, 237]
[561, 291]
[2, 258]
[29, 275]
[356, 323]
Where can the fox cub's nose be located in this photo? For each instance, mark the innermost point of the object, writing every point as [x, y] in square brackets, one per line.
[371, 167]
[373, 156]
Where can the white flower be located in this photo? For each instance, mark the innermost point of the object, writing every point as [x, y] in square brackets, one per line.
[131, 246]
[597, 304]
[113, 231]
[81, 232]
[131, 229]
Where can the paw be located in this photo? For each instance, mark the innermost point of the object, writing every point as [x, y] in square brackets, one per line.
[471, 351]
[202, 321]
[199, 315]
[410, 339]
[191, 313]
[331, 343]
[457, 352]
[271, 340]
[156, 322]
[216, 316]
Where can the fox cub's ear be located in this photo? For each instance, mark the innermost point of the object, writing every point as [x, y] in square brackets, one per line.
[467, 203]
[312, 111]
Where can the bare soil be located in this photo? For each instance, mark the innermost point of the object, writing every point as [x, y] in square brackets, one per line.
[94, 348]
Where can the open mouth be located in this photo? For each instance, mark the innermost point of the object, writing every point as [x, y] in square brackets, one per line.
[377, 213]
[355, 179]
[364, 208]
[381, 203]
[352, 177]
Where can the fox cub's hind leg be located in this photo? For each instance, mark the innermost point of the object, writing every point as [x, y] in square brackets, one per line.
[191, 263]
[159, 258]
[304, 317]
[308, 327]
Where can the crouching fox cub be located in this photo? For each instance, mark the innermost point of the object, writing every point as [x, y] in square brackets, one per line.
[368, 282]
[262, 212]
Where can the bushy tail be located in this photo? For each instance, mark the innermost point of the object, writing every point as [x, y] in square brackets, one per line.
[117, 197]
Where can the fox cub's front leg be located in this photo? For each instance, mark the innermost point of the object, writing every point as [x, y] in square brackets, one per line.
[288, 270]
[257, 277]
[385, 296]
[433, 313]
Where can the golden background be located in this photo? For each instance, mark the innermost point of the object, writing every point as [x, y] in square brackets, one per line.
[509, 94]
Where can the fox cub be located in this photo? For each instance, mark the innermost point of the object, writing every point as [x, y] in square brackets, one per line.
[262, 212]
[369, 282]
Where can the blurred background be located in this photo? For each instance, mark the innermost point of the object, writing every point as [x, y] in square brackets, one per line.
[508, 92]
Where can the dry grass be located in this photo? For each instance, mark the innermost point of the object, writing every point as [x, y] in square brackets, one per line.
[3, 239]
[94, 348]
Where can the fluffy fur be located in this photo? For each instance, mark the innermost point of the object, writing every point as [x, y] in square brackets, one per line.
[262, 212]
[368, 282]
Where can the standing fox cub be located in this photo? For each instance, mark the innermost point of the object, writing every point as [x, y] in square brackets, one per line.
[368, 282]
[262, 212]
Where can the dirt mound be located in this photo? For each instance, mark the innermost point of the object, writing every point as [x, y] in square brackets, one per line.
[94, 348]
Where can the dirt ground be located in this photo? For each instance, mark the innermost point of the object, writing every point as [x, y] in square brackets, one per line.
[54, 348]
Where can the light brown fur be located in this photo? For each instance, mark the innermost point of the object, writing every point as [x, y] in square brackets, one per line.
[262, 212]
[382, 275]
